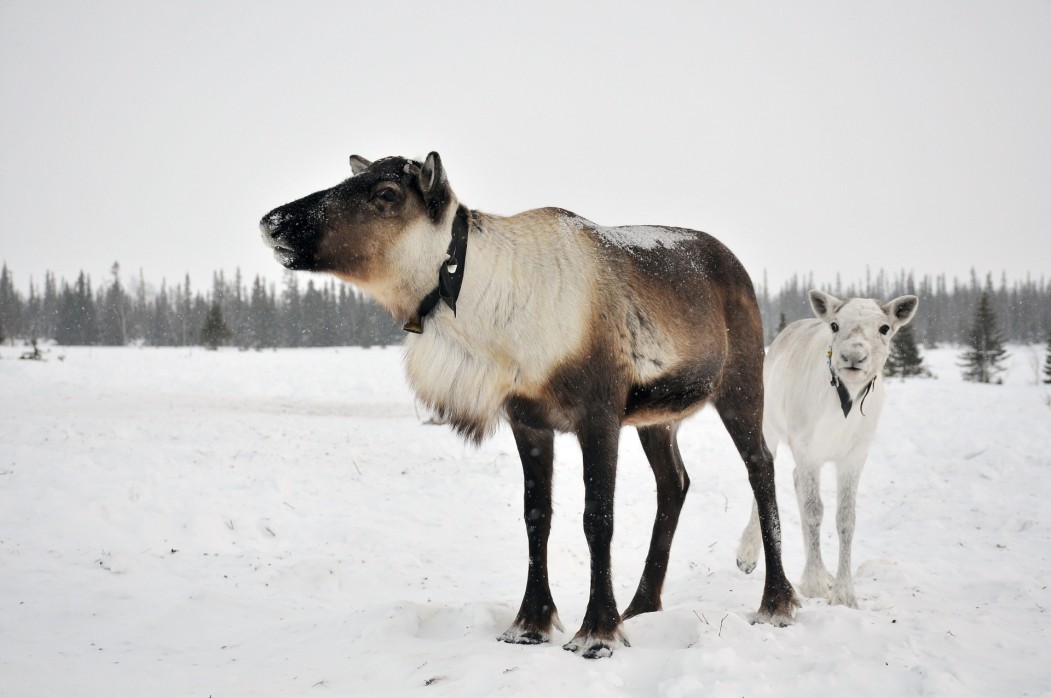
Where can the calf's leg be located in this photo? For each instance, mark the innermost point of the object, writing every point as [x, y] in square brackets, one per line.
[537, 614]
[662, 450]
[847, 476]
[751, 542]
[816, 581]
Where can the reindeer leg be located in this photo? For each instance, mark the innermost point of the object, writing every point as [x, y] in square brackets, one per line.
[816, 581]
[601, 629]
[847, 476]
[741, 412]
[751, 542]
[662, 450]
[537, 614]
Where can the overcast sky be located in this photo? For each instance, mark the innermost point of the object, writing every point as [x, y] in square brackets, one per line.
[815, 137]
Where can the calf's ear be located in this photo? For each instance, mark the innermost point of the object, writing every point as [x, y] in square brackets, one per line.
[434, 185]
[824, 305]
[358, 164]
[901, 310]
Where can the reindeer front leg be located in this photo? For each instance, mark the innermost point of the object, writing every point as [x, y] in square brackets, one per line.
[601, 629]
[816, 581]
[847, 476]
[537, 614]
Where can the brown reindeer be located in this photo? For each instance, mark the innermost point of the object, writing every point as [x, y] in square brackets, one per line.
[554, 323]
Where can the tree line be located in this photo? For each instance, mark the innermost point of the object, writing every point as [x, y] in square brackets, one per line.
[302, 312]
[306, 311]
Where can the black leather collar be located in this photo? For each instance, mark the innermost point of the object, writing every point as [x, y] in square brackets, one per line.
[450, 274]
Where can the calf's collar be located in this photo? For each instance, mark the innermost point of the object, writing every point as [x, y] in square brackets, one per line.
[845, 401]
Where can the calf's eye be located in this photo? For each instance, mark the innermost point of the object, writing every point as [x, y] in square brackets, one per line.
[884, 329]
[835, 327]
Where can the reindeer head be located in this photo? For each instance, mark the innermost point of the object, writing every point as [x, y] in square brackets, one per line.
[861, 330]
[380, 229]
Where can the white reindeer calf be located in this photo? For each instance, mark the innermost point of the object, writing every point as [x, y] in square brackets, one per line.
[823, 402]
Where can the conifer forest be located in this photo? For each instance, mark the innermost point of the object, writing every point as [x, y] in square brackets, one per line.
[311, 311]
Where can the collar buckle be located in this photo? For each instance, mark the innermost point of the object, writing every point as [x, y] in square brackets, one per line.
[450, 274]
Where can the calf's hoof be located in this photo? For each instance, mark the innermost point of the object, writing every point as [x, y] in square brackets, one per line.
[748, 550]
[843, 597]
[816, 585]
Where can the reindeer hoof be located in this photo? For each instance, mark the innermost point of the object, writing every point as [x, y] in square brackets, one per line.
[778, 607]
[778, 620]
[516, 636]
[843, 597]
[746, 566]
[816, 584]
[594, 647]
[531, 633]
[639, 606]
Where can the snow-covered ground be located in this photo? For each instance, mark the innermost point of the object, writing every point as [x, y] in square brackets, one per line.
[181, 522]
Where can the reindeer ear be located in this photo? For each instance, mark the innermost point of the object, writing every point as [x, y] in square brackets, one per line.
[901, 309]
[358, 164]
[434, 186]
[824, 305]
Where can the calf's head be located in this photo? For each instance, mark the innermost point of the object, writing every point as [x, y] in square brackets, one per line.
[861, 330]
[380, 229]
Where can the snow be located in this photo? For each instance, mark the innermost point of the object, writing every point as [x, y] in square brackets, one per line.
[628, 237]
[180, 522]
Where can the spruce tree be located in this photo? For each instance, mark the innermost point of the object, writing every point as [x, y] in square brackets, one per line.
[49, 307]
[930, 337]
[985, 353]
[114, 312]
[905, 359]
[1047, 361]
[292, 312]
[10, 303]
[214, 330]
[262, 314]
[161, 330]
[77, 316]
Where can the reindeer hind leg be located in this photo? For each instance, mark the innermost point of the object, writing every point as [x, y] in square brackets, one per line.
[740, 408]
[662, 449]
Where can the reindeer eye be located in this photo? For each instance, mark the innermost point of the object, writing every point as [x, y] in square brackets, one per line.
[884, 329]
[389, 194]
[835, 327]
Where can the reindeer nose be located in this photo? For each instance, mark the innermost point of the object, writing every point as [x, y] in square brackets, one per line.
[269, 225]
[855, 355]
